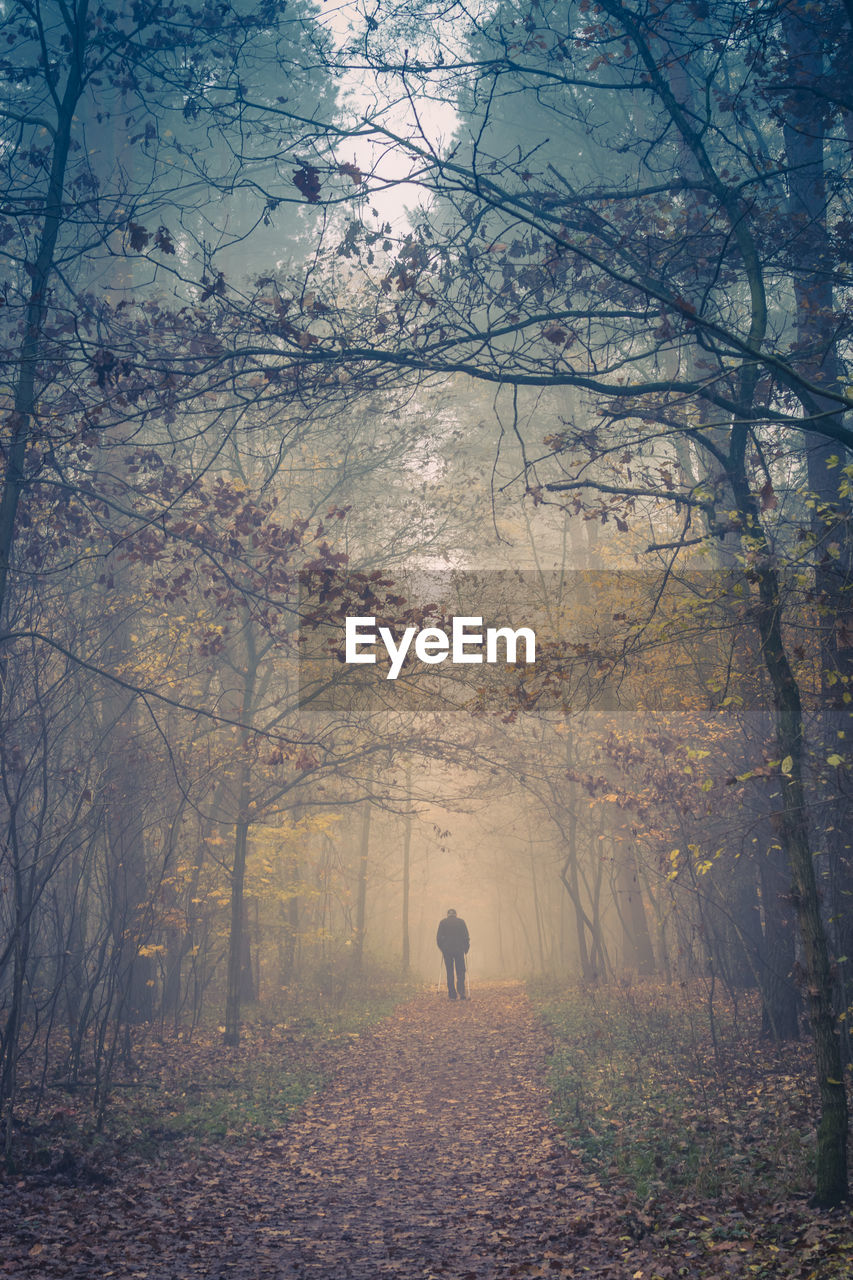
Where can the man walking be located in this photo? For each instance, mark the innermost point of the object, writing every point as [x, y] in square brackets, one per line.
[453, 942]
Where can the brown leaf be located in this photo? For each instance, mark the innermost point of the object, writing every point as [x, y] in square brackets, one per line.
[307, 180]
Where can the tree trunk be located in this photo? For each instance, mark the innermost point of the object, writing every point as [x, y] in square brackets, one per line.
[569, 873]
[779, 1003]
[831, 1188]
[407, 849]
[361, 893]
[236, 955]
[805, 28]
[41, 269]
[291, 922]
[639, 952]
[537, 912]
[235, 940]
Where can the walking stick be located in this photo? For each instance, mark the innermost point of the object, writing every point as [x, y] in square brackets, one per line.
[467, 978]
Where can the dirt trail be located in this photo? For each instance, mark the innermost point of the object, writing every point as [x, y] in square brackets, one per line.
[432, 1153]
[429, 1154]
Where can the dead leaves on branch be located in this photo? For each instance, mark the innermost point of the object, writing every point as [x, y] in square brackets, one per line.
[308, 181]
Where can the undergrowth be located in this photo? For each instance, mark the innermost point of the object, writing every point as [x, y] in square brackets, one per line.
[651, 1091]
[184, 1085]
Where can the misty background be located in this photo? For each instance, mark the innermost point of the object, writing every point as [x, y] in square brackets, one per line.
[300, 302]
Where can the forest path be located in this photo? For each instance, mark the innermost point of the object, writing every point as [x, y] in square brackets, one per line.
[429, 1154]
[432, 1153]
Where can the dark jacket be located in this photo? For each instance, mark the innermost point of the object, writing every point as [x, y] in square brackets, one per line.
[452, 936]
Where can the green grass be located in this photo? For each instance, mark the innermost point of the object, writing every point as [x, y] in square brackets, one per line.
[203, 1091]
[645, 1094]
[245, 1099]
[191, 1088]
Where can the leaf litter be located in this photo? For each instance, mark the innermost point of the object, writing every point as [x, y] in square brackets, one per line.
[431, 1152]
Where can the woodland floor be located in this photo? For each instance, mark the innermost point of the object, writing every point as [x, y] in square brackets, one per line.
[429, 1153]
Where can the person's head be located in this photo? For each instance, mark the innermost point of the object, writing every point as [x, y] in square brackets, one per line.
[451, 912]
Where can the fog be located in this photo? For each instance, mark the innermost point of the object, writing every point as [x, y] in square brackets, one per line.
[311, 317]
